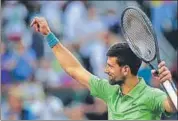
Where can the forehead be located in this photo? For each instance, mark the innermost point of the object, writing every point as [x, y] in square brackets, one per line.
[112, 60]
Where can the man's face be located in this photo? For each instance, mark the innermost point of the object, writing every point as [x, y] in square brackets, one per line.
[115, 72]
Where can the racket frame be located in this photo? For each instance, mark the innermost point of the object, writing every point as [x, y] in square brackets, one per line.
[167, 85]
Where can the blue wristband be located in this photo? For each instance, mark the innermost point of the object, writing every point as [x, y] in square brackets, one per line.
[51, 39]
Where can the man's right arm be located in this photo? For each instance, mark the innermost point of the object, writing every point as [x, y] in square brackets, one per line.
[71, 65]
[98, 87]
[68, 62]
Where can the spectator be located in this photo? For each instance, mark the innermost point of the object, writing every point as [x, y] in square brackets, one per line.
[91, 33]
[74, 12]
[24, 61]
[33, 91]
[51, 108]
[14, 109]
[49, 77]
[5, 70]
[14, 13]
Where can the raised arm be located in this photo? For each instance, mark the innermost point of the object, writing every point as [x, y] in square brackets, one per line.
[165, 74]
[68, 62]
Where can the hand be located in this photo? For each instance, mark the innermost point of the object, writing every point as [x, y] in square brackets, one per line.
[40, 25]
[164, 73]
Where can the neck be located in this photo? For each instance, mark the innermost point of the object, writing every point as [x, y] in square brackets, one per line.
[129, 84]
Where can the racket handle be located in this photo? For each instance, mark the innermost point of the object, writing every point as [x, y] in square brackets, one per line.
[171, 91]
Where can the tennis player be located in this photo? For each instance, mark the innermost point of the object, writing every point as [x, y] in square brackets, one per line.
[126, 95]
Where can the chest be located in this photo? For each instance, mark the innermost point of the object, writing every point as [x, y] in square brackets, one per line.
[126, 107]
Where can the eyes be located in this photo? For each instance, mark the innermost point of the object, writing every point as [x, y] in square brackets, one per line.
[109, 66]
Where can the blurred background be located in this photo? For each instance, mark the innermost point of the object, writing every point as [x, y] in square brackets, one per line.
[35, 87]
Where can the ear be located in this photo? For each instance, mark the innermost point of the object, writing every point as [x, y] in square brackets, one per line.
[125, 70]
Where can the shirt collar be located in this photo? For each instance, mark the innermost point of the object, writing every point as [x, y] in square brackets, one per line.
[137, 89]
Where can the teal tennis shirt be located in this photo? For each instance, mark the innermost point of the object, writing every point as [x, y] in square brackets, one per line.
[141, 103]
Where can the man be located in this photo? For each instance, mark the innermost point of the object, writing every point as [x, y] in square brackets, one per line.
[127, 96]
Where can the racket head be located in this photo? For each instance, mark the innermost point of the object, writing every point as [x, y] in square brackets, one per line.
[140, 36]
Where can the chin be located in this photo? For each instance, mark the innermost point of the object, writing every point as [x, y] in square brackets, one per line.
[111, 82]
[116, 82]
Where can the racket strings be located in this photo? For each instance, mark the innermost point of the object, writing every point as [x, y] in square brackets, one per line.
[140, 37]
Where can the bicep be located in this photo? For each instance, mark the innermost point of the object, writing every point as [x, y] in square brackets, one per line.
[161, 102]
[100, 88]
[82, 76]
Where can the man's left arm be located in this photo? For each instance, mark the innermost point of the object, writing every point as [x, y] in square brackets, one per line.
[168, 106]
[165, 74]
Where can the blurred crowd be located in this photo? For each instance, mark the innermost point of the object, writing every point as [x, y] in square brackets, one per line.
[34, 86]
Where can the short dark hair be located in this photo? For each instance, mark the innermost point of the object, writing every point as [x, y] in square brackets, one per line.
[125, 56]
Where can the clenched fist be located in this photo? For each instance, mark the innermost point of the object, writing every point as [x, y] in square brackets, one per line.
[40, 25]
[164, 73]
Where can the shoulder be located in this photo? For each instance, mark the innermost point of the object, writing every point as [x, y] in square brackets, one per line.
[154, 96]
[95, 80]
[153, 90]
[102, 80]
[155, 93]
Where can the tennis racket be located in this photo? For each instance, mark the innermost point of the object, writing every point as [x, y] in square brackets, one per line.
[140, 35]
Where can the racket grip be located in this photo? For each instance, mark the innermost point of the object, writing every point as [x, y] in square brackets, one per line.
[171, 91]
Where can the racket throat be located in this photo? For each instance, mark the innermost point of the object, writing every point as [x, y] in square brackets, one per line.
[151, 66]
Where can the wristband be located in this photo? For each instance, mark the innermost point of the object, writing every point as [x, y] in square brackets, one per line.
[51, 39]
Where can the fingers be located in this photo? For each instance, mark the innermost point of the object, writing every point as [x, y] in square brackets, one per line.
[167, 77]
[166, 73]
[162, 69]
[40, 24]
[35, 24]
[153, 71]
[155, 75]
[161, 64]
[34, 21]
[36, 27]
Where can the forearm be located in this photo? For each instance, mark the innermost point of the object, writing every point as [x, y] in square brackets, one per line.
[66, 59]
[69, 63]
[169, 107]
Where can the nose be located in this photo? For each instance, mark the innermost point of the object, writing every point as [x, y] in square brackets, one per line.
[106, 70]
